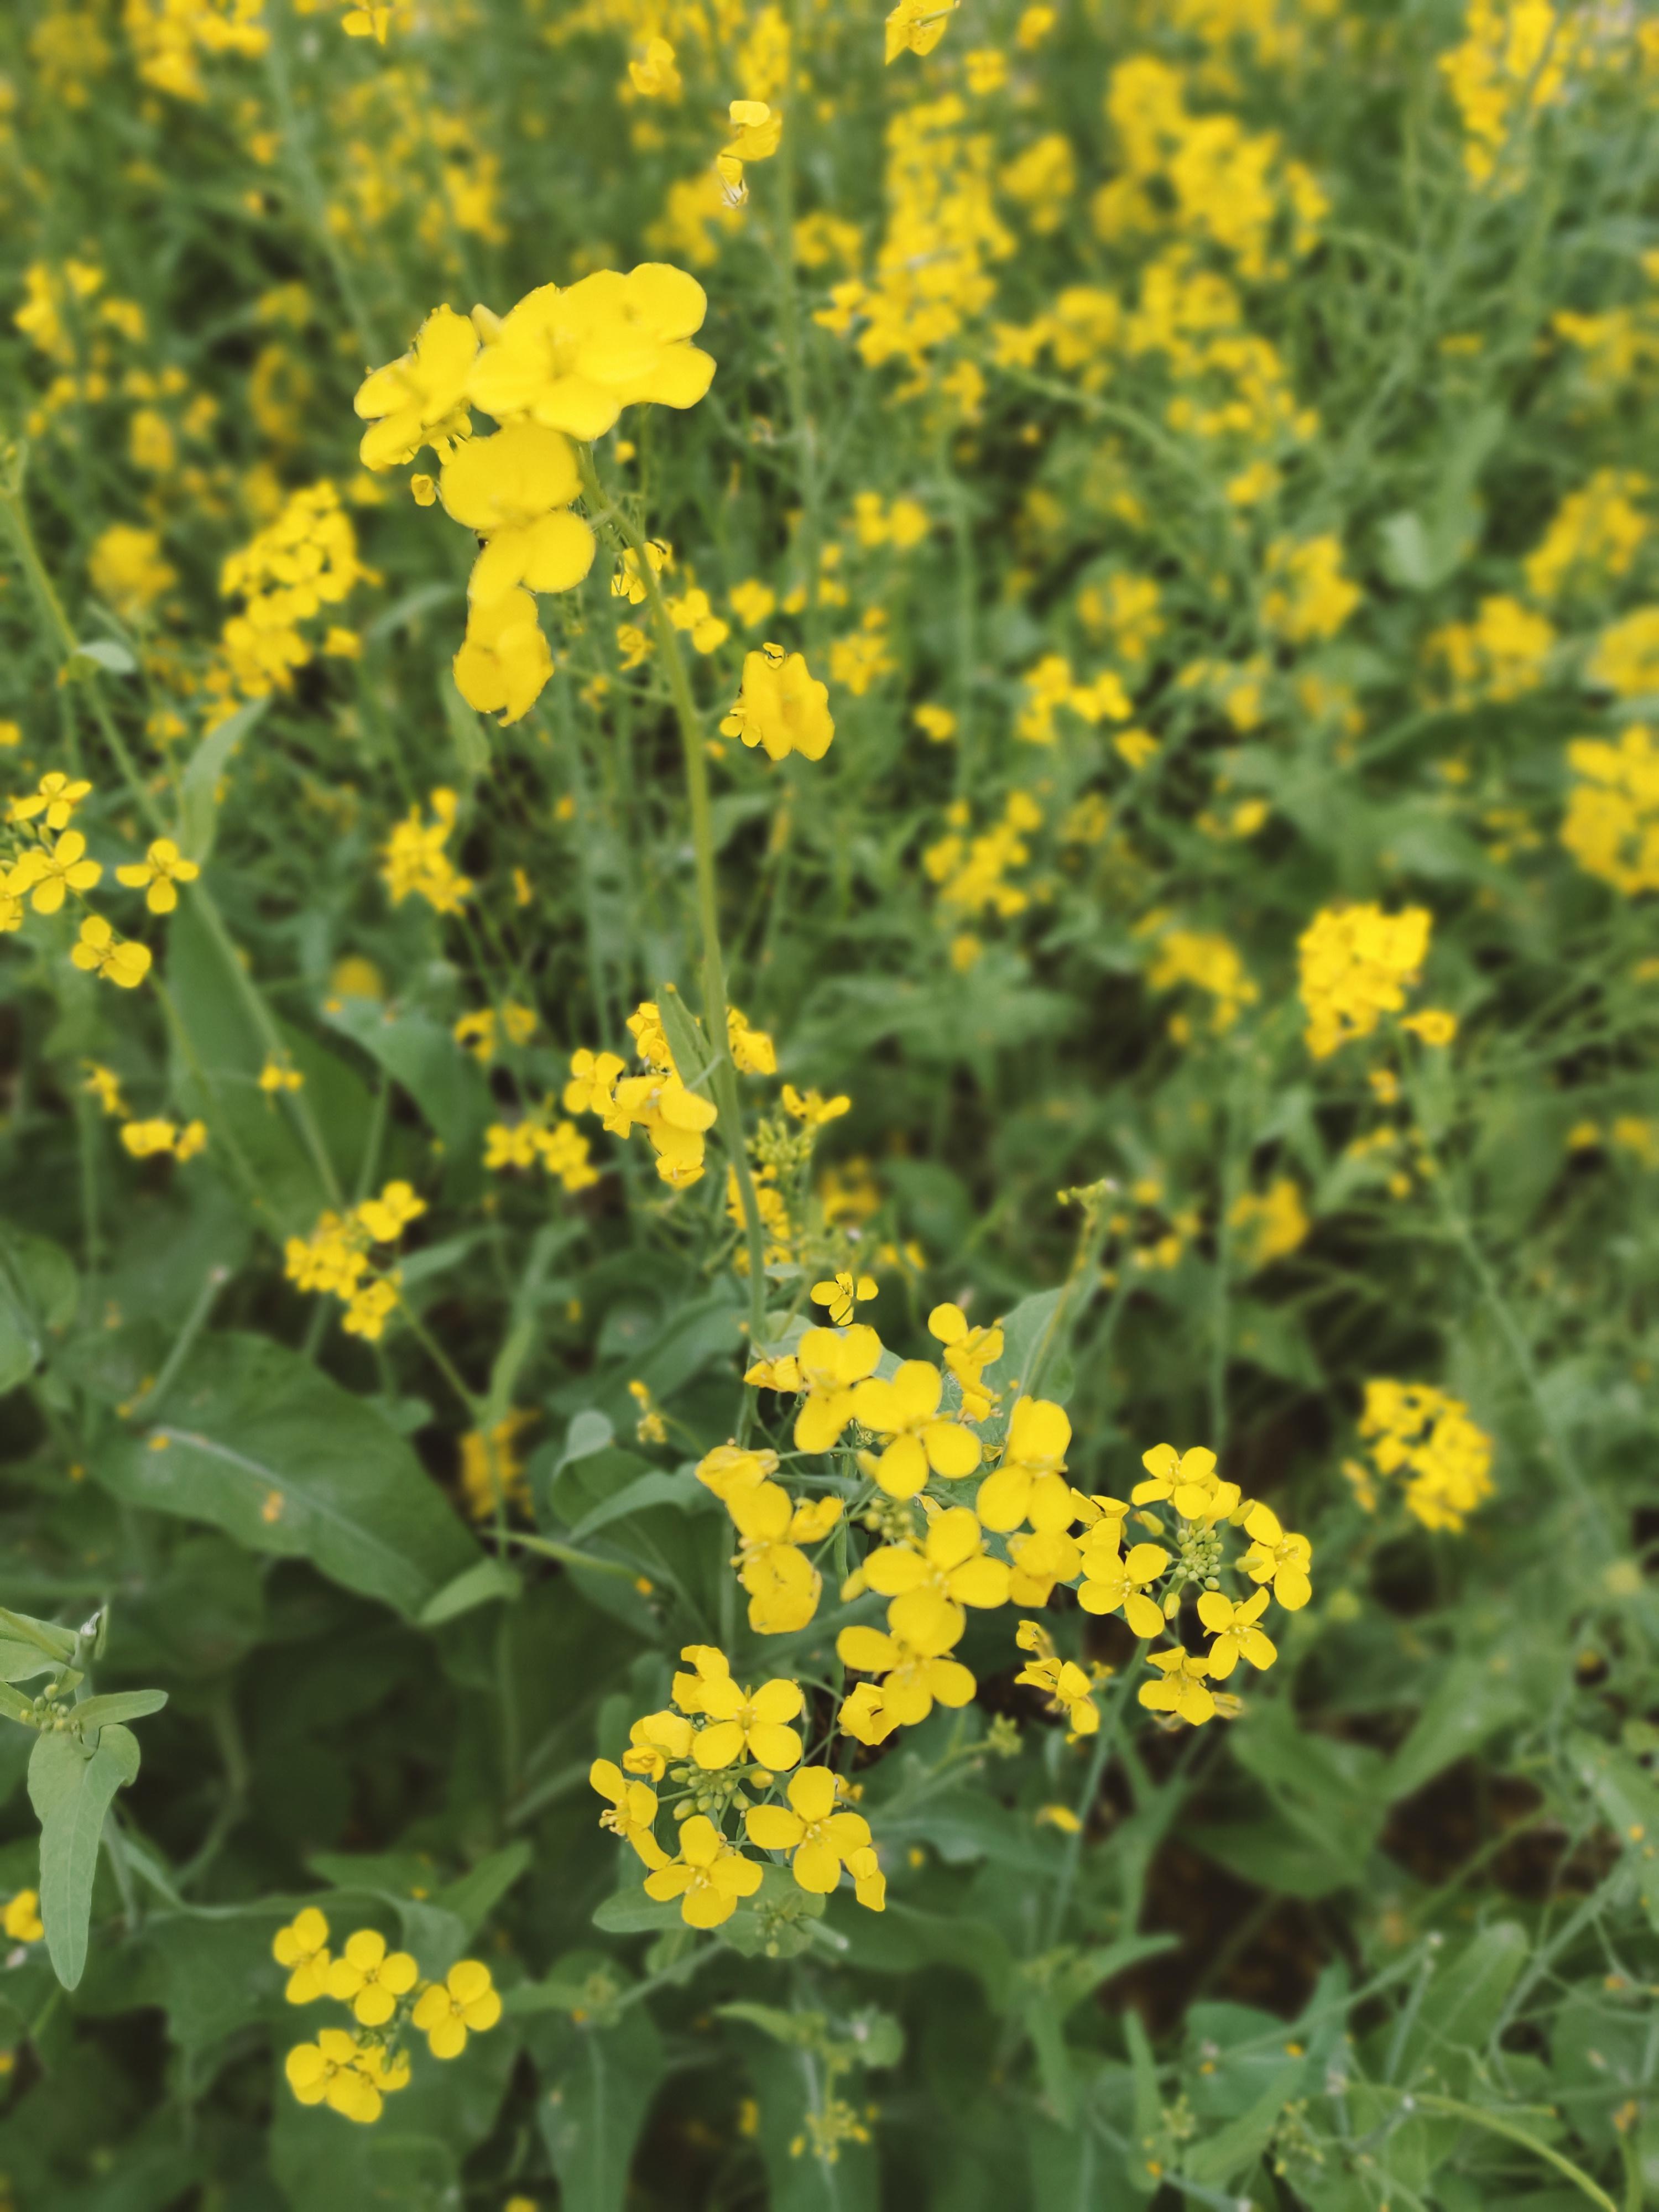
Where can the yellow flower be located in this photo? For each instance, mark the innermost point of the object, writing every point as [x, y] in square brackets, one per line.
[274, 1077]
[144, 1139]
[1187, 1480]
[822, 1839]
[781, 707]
[968, 1354]
[916, 26]
[105, 1086]
[906, 1411]
[1356, 963]
[914, 1670]
[1182, 1690]
[162, 867]
[749, 1723]
[1068, 1688]
[465, 2003]
[1113, 1581]
[21, 1918]
[843, 1295]
[633, 1810]
[420, 398]
[573, 360]
[729, 1469]
[783, 1585]
[753, 1052]
[656, 76]
[102, 952]
[810, 1108]
[929, 1587]
[504, 660]
[831, 1363]
[1278, 1556]
[515, 490]
[331, 2071]
[57, 797]
[386, 1217]
[709, 1877]
[370, 1979]
[654, 1740]
[1237, 1636]
[1028, 1483]
[1434, 1025]
[51, 872]
[592, 1079]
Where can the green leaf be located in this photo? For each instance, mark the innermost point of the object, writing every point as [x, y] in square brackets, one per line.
[1473, 1698]
[473, 1896]
[630, 1912]
[264, 1446]
[70, 1790]
[481, 1583]
[681, 1491]
[445, 1082]
[39, 1292]
[1224, 2156]
[694, 1053]
[198, 789]
[93, 1713]
[1462, 2005]
[55, 1644]
[603, 2081]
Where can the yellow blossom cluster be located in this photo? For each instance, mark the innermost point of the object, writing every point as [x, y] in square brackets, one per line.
[1416, 1431]
[1308, 597]
[337, 1258]
[972, 872]
[1356, 964]
[558, 1146]
[1594, 534]
[1626, 660]
[44, 861]
[675, 1118]
[1269, 1225]
[414, 864]
[1501, 654]
[354, 2071]
[1050, 685]
[170, 38]
[303, 561]
[1513, 62]
[1611, 825]
[1209, 962]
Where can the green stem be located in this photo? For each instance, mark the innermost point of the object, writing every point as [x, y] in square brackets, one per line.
[195, 1322]
[723, 1079]
[1494, 2122]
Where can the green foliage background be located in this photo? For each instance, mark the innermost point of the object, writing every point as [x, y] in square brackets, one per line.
[1390, 1938]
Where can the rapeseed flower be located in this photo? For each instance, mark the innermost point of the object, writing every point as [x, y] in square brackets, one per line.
[420, 398]
[633, 1810]
[821, 1838]
[906, 1412]
[831, 1363]
[929, 1586]
[748, 1724]
[1181, 1690]
[1028, 1485]
[781, 707]
[158, 874]
[1114, 1581]
[514, 489]
[465, 2003]
[709, 1877]
[572, 359]
[915, 1669]
[1187, 1480]
[102, 952]
[1233, 1624]
[370, 1979]
[1277, 1556]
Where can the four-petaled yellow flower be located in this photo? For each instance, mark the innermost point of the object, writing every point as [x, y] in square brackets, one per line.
[515, 490]
[49, 872]
[751, 1724]
[929, 1588]
[1233, 1624]
[338, 2071]
[1068, 1689]
[57, 797]
[1187, 1480]
[633, 1810]
[573, 359]
[21, 1918]
[843, 1293]
[370, 1979]
[906, 1410]
[1112, 1580]
[419, 399]
[1182, 1690]
[830, 1366]
[781, 707]
[465, 2003]
[161, 869]
[709, 1877]
[1278, 1556]
[302, 1948]
[823, 1840]
[914, 1670]
[968, 1354]
[1029, 1484]
[102, 952]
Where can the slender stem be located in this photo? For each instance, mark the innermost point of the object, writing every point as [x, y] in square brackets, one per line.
[195, 1322]
[723, 1079]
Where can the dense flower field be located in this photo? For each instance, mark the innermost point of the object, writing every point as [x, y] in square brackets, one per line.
[829, 1290]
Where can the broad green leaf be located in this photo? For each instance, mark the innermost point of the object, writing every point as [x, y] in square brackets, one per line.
[694, 1053]
[198, 787]
[1473, 1697]
[70, 1790]
[256, 1440]
[1461, 2005]
[630, 1912]
[484, 1583]
[445, 1081]
[93, 1713]
[39, 1288]
[599, 2084]
[682, 1491]
[904, 1939]
[474, 1895]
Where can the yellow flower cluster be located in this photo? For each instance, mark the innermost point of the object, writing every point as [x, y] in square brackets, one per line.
[972, 872]
[43, 861]
[676, 1121]
[337, 1259]
[1626, 660]
[1270, 1225]
[1500, 655]
[781, 707]
[413, 862]
[1308, 597]
[559, 366]
[303, 560]
[1050, 685]
[1415, 1431]
[1355, 965]
[171, 37]
[1210, 964]
[128, 571]
[560, 1147]
[354, 2071]
[1612, 825]
[1513, 62]
[1594, 534]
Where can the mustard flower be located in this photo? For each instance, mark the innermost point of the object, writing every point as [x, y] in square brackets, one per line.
[756, 135]
[1278, 1556]
[823, 1840]
[916, 26]
[753, 1052]
[1038, 1561]
[748, 1724]
[1068, 1689]
[516, 488]
[730, 1468]
[102, 952]
[831, 1363]
[1356, 963]
[572, 359]
[1182, 1690]
[1233, 1624]
[57, 797]
[928, 1587]
[49, 872]
[370, 1979]
[504, 660]
[783, 1585]
[708, 1876]
[592, 1079]
[1187, 1480]
[863, 1714]
[420, 398]
[633, 1810]
[386, 1217]
[162, 868]
[968, 1354]
[810, 1109]
[1028, 1483]
[655, 1739]
[843, 1293]
[915, 1671]
[656, 77]
[781, 707]
[105, 1086]
[331, 2071]
[465, 2003]
[905, 1412]
[21, 1918]
[1112, 1580]
[144, 1139]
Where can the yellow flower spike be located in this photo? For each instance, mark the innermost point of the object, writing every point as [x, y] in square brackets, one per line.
[1029, 1484]
[370, 1979]
[419, 399]
[916, 1673]
[1181, 1690]
[929, 1587]
[465, 2003]
[822, 1839]
[709, 1877]
[781, 707]
[1113, 1581]
[302, 1948]
[1187, 1480]
[906, 1411]
[843, 1293]
[572, 359]
[830, 1366]
[516, 488]
[1237, 1636]
[633, 1810]
[21, 1918]
[116, 959]
[1278, 1556]
[749, 1723]
[162, 868]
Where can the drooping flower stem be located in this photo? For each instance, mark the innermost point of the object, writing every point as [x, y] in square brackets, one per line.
[612, 521]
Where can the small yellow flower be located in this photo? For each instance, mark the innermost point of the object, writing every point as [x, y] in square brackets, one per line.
[823, 1840]
[749, 1723]
[331, 2071]
[21, 1918]
[1233, 1624]
[708, 1876]
[302, 1948]
[162, 868]
[1181, 1690]
[370, 1979]
[465, 2003]
[49, 872]
[102, 952]
[57, 797]
[905, 1412]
